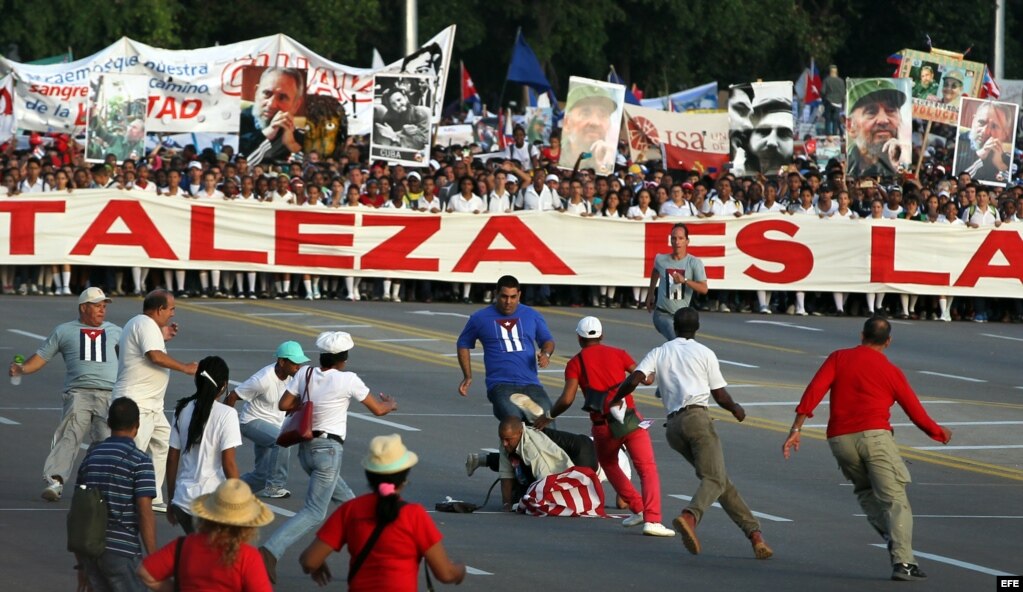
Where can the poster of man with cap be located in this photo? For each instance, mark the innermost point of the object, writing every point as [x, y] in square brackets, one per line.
[984, 143]
[879, 126]
[117, 117]
[593, 118]
[939, 78]
[401, 129]
[761, 127]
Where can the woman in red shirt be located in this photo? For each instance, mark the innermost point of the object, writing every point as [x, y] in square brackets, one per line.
[218, 556]
[386, 536]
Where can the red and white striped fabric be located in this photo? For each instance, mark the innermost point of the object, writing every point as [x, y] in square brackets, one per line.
[575, 492]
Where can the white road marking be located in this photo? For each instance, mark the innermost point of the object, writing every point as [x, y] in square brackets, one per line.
[952, 516]
[717, 505]
[279, 510]
[489, 450]
[784, 324]
[946, 423]
[206, 349]
[278, 314]
[550, 371]
[794, 403]
[966, 378]
[1001, 337]
[338, 326]
[401, 340]
[955, 562]
[968, 447]
[739, 364]
[233, 382]
[27, 334]
[476, 572]
[373, 419]
[443, 314]
[4, 420]
[473, 354]
[33, 509]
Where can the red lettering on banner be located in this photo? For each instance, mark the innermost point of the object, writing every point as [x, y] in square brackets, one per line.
[23, 222]
[289, 239]
[394, 252]
[80, 120]
[795, 258]
[526, 247]
[882, 263]
[1009, 244]
[189, 108]
[141, 231]
[202, 247]
[656, 242]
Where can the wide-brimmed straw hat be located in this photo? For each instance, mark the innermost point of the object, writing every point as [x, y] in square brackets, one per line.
[234, 504]
[388, 455]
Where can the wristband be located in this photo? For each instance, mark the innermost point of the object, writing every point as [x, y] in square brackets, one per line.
[794, 431]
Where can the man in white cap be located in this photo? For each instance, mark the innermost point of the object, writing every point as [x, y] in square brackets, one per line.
[88, 346]
[261, 419]
[143, 371]
[331, 389]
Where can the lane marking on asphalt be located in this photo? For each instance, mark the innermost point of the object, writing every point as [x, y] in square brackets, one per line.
[784, 324]
[1001, 337]
[966, 378]
[472, 353]
[6, 421]
[490, 450]
[278, 314]
[27, 334]
[339, 326]
[410, 339]
[739, 364]
[770, 517]
[33, 509]
[955, 562]
[997, 447]
[279, 510]
[476, 572]
[374, 419]
[946, 423]
[431, 313]
[952, 516]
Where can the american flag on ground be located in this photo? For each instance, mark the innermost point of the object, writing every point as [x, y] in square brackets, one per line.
[575, 492]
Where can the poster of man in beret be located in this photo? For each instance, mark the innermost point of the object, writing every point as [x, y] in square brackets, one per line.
[593, 118]
[760, 127]
[878, 126]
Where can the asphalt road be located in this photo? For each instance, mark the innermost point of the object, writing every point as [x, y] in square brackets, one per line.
[966, 496]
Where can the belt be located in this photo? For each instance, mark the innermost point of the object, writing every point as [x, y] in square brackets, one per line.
[682, 410]
[334, 437]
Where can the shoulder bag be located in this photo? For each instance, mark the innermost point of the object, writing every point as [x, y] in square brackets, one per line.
[87, 519]
[298, 424]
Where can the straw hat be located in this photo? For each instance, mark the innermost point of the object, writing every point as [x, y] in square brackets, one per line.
[388, 455]
[234, 504]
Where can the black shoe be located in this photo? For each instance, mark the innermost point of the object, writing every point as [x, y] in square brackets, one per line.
[271, 564]
[907, 572]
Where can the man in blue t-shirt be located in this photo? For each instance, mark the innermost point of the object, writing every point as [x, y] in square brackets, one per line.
[509, 332]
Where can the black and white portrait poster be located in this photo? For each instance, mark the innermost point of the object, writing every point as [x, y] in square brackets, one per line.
[760, 127]
[401, 127]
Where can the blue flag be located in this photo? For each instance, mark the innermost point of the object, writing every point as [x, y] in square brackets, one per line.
[525, 68]
[614, 78]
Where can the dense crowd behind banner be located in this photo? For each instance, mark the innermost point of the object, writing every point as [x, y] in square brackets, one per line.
[198, 90]
[117, 228]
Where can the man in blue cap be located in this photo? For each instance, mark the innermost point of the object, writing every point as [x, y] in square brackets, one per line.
[261, 419]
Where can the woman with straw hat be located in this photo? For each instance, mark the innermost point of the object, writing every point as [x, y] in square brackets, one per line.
[219, 556]
[386, 536]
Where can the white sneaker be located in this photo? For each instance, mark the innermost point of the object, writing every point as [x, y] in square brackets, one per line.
[633, 520]
[724, 308]
[274, 493]
[531, 408]
[657, 529]
[472, 462]
[160, 508]
[53, 491]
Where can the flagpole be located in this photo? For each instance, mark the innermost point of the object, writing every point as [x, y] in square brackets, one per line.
[461, 84]
[500, 99]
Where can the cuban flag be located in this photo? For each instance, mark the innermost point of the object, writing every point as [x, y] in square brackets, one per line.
[92, 345]
[989, 88]
[469, 94]
[511, 337]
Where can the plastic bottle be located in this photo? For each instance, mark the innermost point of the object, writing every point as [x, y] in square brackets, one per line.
[16, 379]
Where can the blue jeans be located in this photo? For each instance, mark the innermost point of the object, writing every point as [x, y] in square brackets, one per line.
[271, 468]
[500, 398]
[665, 324]
[321, 460]
[113, 572]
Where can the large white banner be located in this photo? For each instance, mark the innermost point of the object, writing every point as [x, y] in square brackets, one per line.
[694, 141]
[197, 90]
[6, 107]
[118, 228]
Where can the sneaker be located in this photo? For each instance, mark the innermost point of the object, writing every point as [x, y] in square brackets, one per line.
[274, 492]
[252, 295]
[531, 408]
[723, 308]
[633, 520]
[396, 299]
[760, 548]
[764, 310]
[980, 318]
[270, 562]
[907, 572]
[472, 462]
[685, 523]
[53, 491]
[160, 508]
[657, 529]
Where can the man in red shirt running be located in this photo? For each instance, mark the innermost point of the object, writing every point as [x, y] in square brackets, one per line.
[864, 385]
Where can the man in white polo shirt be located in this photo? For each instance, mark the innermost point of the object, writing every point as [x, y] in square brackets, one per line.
[143, 371]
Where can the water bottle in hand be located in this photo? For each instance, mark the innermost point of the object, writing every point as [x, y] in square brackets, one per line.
[16, 377]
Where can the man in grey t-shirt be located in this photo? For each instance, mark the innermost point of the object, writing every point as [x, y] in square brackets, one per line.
[89, 348]
[674, 279]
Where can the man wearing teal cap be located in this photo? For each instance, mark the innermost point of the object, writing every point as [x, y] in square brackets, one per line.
[587, 123]
[875, 118]
[261, 419]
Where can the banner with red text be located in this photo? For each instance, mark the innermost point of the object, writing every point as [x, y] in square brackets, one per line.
[197, 90]
[118, 228]
[6, 107]
[692, 141]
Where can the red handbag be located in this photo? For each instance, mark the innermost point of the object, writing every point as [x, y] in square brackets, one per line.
[298, 423]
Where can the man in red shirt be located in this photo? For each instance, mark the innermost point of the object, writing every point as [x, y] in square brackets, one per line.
[603, 369]
[864, 385]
